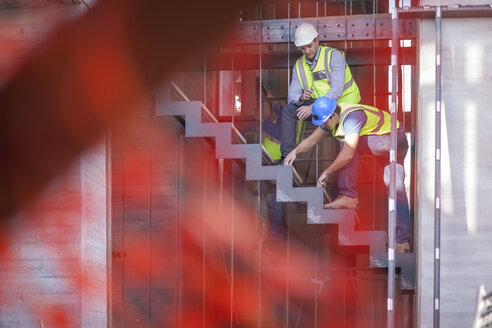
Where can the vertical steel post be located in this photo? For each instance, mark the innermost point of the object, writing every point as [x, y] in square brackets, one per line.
[260, 73]
[149, 227]
[288, 229]
[233, 99]
[179, 231]
[392, 185]
[205, 78]
[317, 145]
[204, 245]
[437, 186]
[288, 44]
[260, 141]
[232, 253]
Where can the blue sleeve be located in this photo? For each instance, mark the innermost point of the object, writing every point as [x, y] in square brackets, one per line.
[354, 122]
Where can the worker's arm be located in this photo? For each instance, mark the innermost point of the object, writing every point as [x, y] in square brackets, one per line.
[305, 145]
[337, 68]
[295, 93]
[344, 157]
[298, 96]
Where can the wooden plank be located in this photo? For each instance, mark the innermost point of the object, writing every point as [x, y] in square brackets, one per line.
[136, 190]
[135, 202]
[46, 251]
[164, 307]
[164, 177]
[168, 165]
[135, 214]
[138, 177]
[163, 202]
[44, 285]
[165, 226]
[37, 304]
[50, 217]
[165, 153]
[43, 268]
[44, 234]
[59, 200]
[166, 189]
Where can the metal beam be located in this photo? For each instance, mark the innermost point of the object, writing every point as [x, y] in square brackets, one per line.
[276, 59]
[450, 11]
[337, 28]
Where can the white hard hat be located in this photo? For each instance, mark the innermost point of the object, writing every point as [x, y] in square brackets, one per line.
[305, 34]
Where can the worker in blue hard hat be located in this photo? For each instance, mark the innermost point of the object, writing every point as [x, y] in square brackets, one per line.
[361, 129]
[320, 72]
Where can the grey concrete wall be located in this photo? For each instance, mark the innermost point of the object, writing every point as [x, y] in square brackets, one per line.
[466, 243]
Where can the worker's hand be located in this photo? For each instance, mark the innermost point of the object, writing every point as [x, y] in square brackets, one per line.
[323, 178]
[304, 112]
[289, 159]
[306, 95]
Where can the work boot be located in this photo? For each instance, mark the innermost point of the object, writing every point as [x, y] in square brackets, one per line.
[343, 201]
[401, 248]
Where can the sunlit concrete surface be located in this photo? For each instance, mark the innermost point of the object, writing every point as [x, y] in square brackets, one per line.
[466, 260]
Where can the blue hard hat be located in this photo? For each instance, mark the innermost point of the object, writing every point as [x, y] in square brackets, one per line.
[323, 107]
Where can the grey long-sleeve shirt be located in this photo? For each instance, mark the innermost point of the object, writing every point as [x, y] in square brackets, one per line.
[337, 65]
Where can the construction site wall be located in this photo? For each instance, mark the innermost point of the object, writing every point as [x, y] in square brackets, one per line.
[466, 260]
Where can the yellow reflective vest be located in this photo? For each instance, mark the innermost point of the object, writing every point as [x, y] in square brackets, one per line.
[319, 78]
[378, 121]
[272, 144]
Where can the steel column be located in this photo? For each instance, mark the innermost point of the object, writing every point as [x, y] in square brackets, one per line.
[260, 141]
[437, 182]
[392, 184]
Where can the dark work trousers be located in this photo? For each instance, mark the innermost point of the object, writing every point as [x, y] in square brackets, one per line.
[379, 146]
[288, 127]
[276, 220]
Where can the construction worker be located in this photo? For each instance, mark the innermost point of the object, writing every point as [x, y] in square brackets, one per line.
[321, 71]
[272, 135]
[361, 129]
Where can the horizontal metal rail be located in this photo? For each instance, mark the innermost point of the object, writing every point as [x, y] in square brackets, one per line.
[450, 11]
[274, 59]
[335, 28]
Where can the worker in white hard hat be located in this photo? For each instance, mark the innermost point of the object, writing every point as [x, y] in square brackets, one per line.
[321, 71]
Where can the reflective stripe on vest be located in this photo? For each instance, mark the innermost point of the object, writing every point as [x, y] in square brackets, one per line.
[378, 122]
[272, 144]
[272, 147]
[322, 86]
[348, 83]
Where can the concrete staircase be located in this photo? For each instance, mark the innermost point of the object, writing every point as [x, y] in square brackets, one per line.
[255, 155]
